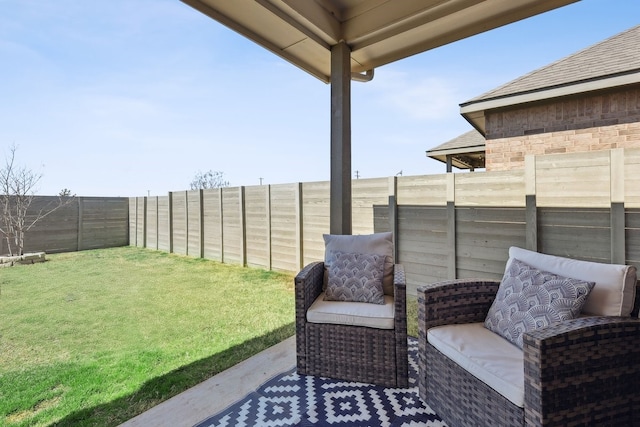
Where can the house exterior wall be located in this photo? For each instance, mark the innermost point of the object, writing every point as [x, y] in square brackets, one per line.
[588, 123]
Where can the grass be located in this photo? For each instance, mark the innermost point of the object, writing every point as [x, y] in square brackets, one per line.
[412, 316]
[94, 338]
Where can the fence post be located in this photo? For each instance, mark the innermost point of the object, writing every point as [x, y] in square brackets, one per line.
[243, 229]
[451, 226]
[393, 215]
[170, 215]
[80, 222]
[299, 231]
[157, 222]
[140, 222]
[221, 224]
[201, 220]
[531, 207]
[186, 222]
[135, 222]
[268, 203]
[618, 223]
[145, 222]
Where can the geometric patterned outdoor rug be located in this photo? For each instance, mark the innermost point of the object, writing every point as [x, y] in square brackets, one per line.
[303, 400]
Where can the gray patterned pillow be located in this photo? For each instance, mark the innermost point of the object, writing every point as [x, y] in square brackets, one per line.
[355, 277]
[530, 299]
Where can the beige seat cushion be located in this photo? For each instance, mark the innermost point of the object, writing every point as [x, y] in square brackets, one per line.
[378, 316]
[484, 354]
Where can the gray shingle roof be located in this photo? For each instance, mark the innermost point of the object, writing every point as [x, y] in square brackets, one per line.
[468, 140]
[593, 63]
[466, 151]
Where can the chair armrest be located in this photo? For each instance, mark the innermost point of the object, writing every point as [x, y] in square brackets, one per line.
[581, 366]
[308, 285]
[400, 299]
[455, 301]
[400, 325]
[400, 292]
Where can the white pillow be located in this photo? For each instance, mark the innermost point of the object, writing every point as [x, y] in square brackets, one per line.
[615, 290]
[376, 243]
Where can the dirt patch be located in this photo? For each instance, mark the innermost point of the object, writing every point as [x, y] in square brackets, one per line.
[39, 407]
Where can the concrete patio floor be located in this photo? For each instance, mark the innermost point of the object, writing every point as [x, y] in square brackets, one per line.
[211, 396]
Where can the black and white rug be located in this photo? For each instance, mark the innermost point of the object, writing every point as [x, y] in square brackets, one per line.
[301, 400]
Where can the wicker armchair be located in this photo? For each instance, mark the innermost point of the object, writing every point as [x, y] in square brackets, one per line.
[352, 353]
[583, 371]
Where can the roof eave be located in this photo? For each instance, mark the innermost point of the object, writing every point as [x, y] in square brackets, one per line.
[474, 111]
[457, 162]
[461, 150]
[378, 33]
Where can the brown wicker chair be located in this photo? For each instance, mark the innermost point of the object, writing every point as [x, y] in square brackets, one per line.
[352, 353]
[582, 372]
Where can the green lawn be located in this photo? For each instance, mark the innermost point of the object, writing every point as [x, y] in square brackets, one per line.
[94, 338]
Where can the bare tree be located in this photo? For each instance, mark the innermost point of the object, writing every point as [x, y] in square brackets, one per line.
[210, 179]
[17, 191]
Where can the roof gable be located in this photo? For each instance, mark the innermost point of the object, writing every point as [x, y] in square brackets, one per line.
[594, 62]
[612, 62]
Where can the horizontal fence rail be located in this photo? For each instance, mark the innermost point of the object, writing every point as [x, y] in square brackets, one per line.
[84, 223]
[446, 226]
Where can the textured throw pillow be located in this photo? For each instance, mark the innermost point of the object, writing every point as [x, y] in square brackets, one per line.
[530, 299]
[355, 277]
[376, 243]
[614, 293]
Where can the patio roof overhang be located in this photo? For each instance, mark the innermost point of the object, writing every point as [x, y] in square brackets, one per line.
[340, 40]
[377, 32]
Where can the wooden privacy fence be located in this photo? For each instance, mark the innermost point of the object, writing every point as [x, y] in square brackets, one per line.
[85, 223]
[276, 227]
[446, 226]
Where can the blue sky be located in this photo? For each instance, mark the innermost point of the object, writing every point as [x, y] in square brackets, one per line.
[134, 97]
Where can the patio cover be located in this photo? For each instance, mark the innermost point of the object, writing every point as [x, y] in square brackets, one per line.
[340, 40]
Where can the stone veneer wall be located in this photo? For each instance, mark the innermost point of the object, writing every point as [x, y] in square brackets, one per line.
[597, 122]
